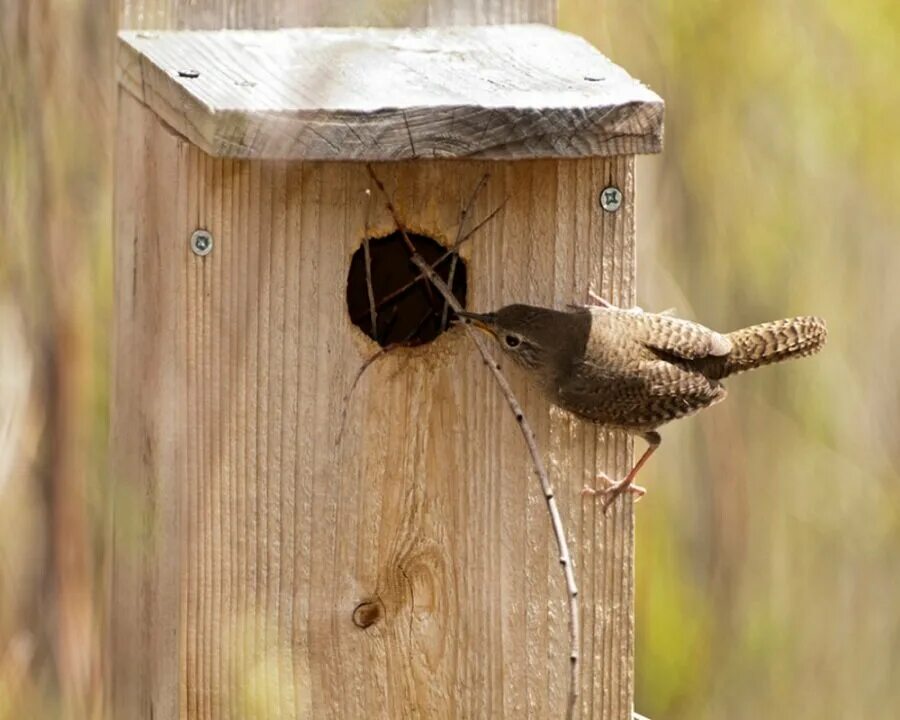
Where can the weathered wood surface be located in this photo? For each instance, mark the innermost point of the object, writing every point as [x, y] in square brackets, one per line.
[245, 538]
[517, 91]
[268, 14]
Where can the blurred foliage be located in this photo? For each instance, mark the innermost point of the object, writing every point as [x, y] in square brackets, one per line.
[56, 117]
[768, 571]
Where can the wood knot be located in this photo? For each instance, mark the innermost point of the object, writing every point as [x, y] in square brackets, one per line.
[367, 613]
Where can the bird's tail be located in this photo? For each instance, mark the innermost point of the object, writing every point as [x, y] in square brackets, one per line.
[772, 342]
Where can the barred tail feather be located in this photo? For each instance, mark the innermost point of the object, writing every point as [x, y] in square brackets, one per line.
[773, 342]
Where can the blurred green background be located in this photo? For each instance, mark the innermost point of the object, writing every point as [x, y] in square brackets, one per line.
[769, 547]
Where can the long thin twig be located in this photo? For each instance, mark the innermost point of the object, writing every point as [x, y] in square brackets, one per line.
[452, 252]
[556, 522]
[406, 286]
[371, 360]
[405, 342]
[464, 213]
[359, 373]
[373, 310]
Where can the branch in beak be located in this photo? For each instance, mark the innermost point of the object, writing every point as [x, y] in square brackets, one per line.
[484, 322]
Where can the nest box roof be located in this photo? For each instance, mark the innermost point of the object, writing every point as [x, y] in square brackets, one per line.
[500, 92]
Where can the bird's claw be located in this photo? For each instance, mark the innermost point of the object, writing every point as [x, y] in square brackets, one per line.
[611, 493]
[612, 490]
[606, 480]
[594, 300]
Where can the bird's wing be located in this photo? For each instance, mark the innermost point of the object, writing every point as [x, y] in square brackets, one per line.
[654, 393]
[600, 393]
[682, 338]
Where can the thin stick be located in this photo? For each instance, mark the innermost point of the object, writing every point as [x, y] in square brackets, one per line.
[367, 363]
[403, 288]
[464, 213]
[359, 373]
[452, 252]
[484, 222]
[388, 325]
[373, 310]
[556, 522]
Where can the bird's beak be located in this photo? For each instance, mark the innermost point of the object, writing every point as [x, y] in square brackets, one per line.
[484, 322]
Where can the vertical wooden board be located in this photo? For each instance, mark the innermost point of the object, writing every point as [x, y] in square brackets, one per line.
[266, 14]
[148, 421]
[428, 509]
[612, 636]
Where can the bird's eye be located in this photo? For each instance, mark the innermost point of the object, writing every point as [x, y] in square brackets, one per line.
[511, 341]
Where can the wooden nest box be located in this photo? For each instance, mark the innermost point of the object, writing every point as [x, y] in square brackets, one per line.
[263, 566]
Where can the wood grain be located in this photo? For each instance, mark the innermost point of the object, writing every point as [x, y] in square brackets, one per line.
[513, 91]
[152, 447]
[268, 14]
[247, 541]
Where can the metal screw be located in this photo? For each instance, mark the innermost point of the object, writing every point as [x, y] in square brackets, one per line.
[611, 199]
[201, 242]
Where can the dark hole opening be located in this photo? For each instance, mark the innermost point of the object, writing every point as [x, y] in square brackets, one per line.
[409, 311]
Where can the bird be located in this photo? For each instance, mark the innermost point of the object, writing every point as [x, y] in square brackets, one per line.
[632, 370]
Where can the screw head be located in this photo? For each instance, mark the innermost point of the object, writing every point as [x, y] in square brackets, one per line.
[201, 242]
[611, 198]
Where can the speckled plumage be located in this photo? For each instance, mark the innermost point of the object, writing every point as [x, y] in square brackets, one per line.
[635, 370]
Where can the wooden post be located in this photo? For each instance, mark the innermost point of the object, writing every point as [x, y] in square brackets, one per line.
[261, 569]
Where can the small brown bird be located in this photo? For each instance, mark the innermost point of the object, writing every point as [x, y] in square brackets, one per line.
[634, 370]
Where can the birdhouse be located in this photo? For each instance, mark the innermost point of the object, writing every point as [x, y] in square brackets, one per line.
[287, 548]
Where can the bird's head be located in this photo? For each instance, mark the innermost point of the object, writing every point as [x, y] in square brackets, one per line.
[536, 338]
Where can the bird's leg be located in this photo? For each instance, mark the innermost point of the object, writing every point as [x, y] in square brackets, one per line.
[611, 493]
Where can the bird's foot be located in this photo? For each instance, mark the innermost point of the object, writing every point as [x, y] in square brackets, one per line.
[594, 300]
[612, 490]
[605, 481]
